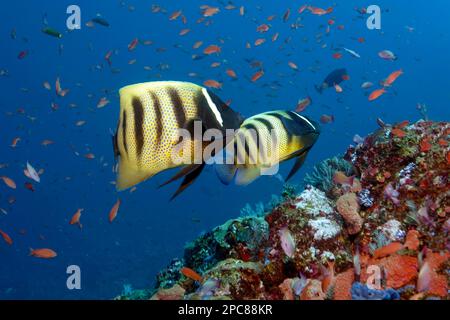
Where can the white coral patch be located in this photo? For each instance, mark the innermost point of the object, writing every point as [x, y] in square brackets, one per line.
[324, 228]
[313, 202]
[392, 230]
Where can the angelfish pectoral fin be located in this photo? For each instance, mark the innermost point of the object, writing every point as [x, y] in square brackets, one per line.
[225, 172]
[297, 165]
[188, 180]
[182, 173]
[247, 176]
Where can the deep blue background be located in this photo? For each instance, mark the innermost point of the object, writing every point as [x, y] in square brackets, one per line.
[149, 230]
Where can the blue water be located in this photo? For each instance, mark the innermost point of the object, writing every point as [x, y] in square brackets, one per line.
[149, 230]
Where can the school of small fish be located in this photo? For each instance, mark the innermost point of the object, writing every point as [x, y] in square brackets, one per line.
[212, 65]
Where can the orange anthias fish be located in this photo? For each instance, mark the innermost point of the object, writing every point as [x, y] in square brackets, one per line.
[114, 211]
[9, 182]
[210, 11]
[293, 66]
[387, 250]
[212, 84]
[231, 73]
[133, 44]
[212, 49]
[76, 218]
[43, 253]
[376, 94]
[328, 277]
[6, 237]
[175, 15]
[262, 28]
[191, 274]
[320, 11]
[392, 77]
[398, 133]
[259, 41]
[257, 75]
[339, 177]
[14, 142]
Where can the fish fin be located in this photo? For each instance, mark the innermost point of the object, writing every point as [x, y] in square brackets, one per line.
[188, 180]
[298, 163]
[246, 176]
[295, 154]
[225, 172]
[182, 173]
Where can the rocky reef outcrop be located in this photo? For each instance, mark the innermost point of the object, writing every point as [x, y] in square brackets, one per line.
[373, 224]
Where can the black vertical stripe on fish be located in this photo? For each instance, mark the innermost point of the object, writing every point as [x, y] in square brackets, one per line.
[158, 118]
[138, 111]
[266, 123]
[254, 137]
[283, 121]
[177, 104]
[205, 113]
[124, 132]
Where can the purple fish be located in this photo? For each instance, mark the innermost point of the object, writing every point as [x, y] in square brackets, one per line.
[287, 242]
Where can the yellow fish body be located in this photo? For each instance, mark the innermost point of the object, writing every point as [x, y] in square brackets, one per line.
[151, 115]
[265, 140]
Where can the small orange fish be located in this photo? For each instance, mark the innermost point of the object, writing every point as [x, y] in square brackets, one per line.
[212, 84]
[6, 237]
[392, 77]
[133, 44]
[337, 55]
[9, 182]
[387, 250]
[320, 11]
[398, 133]
[212, 49]
[361, 40]
[376, 94]
[259, 41]
[184, 32]
[191, 274]
[231, 73]
[114, 211]
[339, 177]
[175, 15]
[43, 253]
[89, 156]
[47, 142]
[402, 124]
[293, 66]
[76, 218]
[262, 28]
[15, 142]
[210, 11]
[197, 45]
[257, 76]
[329, 277]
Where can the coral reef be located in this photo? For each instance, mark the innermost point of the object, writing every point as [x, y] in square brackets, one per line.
[372, 226]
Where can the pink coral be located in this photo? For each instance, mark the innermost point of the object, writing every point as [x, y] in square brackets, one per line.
[347, 205]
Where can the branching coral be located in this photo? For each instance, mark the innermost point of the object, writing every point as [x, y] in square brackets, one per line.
[322, 175]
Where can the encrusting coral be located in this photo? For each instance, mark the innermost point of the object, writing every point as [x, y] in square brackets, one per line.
[373, 227]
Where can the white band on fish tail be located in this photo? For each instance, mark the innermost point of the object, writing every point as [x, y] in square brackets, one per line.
[212, 106]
